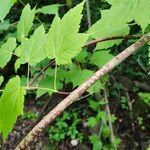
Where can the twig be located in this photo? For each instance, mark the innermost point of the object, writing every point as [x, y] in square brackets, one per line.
[88, 13]
[109, 120]
[41, 72]
[46, 89]
[129, 104]
[28, 74]
[55, 77]
[112, 38]
[56, 111]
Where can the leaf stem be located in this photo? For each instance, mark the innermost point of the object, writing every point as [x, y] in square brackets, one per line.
[55, 77]
[46, 89]
[28, 75]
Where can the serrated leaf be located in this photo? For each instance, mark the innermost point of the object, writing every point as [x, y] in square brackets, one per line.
[11, 105]
[5, 7]
[137, 10]
[25, 22]
[1, 80]
[32, 50]
[101, 57]
[6, 51]
[50, 9]
[63, 40]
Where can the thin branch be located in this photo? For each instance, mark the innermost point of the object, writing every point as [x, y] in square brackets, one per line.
[28, 74]
[41, 72]
[46, 89]
[56, 111]
[109, 120]
[55, 77]
[88, 13]
[112, 38]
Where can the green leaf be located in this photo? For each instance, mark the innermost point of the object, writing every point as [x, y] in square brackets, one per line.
[145, 97]
[81, 57]
[5, 6]
[1, 80]
[92, 121]
[63, 40]
[4, 25]
[100, 58]
[32, 50]
[50, 9]
[6, 51]
[25, 22]
[137, 10]
[11, 105]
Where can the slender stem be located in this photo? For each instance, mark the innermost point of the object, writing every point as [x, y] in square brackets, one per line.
[46, 89]
[109, 119]
[99, 40]
[28, 75]
[88, 13]
[56, 111]
[55, 77]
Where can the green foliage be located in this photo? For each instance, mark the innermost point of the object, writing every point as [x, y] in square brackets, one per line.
[66, 126]
[4, 25]
[99, 120]
[64, 43]
[25, 23]
[50, 9]
[63, 40]
[11, 105]
[31, 50]
[5, 7]
[1, 80]
[145, 97]
[30, 115]
[132, 10]
[97, 144]
[6, 51]
[100, 58]
[124, 103]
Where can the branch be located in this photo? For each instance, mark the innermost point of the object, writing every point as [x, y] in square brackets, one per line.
[80, 90]
[112, 38]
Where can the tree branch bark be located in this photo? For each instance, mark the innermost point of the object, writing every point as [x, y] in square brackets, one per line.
[73, 97]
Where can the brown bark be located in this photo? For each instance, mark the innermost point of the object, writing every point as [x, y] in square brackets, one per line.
[80, 90]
